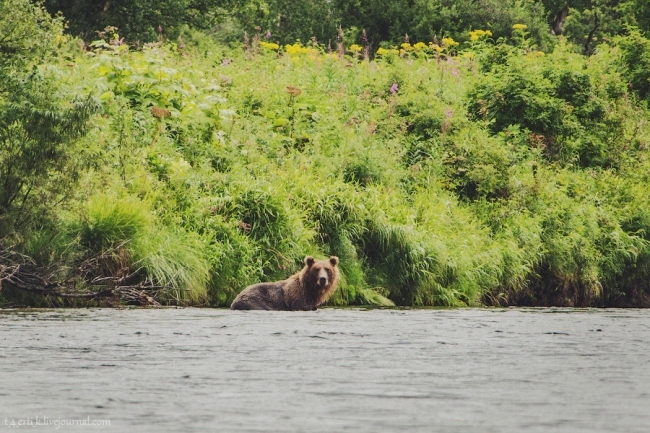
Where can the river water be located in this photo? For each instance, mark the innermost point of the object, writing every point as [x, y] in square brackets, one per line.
[198, 370]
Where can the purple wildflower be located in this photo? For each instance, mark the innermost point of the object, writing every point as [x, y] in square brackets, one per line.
[268, 35]
[393, 89]
[406, 39]
[449, 113]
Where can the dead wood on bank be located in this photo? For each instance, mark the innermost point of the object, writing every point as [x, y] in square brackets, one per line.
[96, 279]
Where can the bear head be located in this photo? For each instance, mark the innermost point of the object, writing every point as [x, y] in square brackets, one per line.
[321, 275]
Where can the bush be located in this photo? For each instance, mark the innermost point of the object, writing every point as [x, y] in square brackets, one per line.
[42, 118]
[635, 53]
[562, 110]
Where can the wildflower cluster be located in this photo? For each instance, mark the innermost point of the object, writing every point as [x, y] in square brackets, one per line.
[477, 34]
[297, 49]
[419, 48]
[356, 48]
[387, 52]
[520, 27]
[448, 42]
[270, 45]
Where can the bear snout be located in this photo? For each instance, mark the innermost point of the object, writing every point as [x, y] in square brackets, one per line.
[322, 281]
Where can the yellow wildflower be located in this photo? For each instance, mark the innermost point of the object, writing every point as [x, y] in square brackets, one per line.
[419, 46]
[355, 48]
[405, 46]
[297, 49]
[476, 34]
[270, 45]
[292, 49]
[385, 52]
[520, 26]
[449, 42]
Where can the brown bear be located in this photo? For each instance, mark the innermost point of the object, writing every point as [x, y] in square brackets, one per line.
[305, 290]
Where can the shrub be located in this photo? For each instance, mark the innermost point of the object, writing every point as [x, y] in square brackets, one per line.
[635, 53]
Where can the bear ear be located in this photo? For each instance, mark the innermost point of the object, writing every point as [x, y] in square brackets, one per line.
[334, 260]
[309, 260]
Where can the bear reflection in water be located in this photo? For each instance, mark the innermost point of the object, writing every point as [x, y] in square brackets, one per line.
[305, 290]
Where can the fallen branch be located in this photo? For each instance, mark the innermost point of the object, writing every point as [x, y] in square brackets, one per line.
[21, 272]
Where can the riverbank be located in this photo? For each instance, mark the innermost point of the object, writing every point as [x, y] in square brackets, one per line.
[483, 173]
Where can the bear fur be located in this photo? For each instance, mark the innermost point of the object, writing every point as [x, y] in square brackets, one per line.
[305, 290]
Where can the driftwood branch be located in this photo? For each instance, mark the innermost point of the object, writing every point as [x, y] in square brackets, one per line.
[21, 272]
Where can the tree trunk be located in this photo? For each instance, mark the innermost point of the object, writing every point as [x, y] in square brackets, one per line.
[587, 50]
[558, 21]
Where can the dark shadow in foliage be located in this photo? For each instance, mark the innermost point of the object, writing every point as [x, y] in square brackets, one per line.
[361, 172]
[136, 20]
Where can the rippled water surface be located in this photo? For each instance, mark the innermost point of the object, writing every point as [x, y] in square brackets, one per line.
[191, 370]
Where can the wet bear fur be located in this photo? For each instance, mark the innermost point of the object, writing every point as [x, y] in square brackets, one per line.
[305, 290]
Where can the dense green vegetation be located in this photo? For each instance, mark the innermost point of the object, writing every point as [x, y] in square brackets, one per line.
[503, 167]
[584, 22]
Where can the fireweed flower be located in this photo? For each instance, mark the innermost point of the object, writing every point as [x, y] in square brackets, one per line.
[268, 35]
[393, 89]
[366, 47]
[448, 113]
